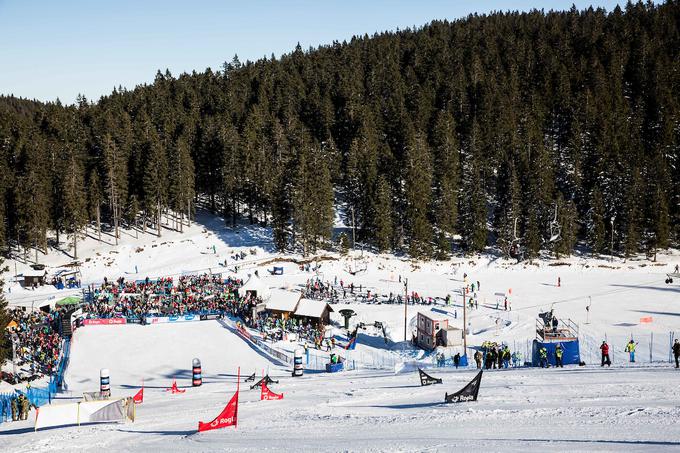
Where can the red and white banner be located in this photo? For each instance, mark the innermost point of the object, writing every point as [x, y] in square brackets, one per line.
[268, 394]
[228, 416]
[104, 322]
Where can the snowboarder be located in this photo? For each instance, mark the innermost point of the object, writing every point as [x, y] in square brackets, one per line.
[676, 352]
[543, 355]
[630, 349]
[558, 356]
[478, 359]
[456, 360]
[555, 322]
[605, 354]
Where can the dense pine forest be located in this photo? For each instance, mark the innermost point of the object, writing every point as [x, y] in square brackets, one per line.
[524, 132]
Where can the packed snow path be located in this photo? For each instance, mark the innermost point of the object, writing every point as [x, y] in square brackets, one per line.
[157, 354]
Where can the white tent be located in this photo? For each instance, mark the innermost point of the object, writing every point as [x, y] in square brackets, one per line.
[282, 300]
[254, 284]
[313, 309]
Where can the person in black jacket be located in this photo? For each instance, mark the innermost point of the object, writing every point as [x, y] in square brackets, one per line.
[676, 353]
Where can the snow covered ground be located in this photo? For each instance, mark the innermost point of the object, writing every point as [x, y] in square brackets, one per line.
[574, 409]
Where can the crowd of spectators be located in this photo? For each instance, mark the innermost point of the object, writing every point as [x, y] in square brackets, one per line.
[341, 291]
[276, 327]
[190, 294]
[37, 341]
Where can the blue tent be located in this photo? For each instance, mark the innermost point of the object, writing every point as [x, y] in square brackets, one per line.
[571, 355]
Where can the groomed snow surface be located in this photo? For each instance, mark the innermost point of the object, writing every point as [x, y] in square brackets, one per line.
[628, 407]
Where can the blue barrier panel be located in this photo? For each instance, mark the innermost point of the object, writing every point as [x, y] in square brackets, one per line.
[6, 406]
[334, 367]
[570, 356]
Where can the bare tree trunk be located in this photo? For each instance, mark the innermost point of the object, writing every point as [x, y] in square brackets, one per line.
[115, 222]
[75, 244]
[99, 223]
[158, 226]
[188, 213]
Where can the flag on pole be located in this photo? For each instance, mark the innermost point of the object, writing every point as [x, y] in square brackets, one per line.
[267, 394]
[174, 389]
[228, 416]
[139, 396]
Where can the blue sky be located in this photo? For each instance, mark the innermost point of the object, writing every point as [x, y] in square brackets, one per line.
[51, 49]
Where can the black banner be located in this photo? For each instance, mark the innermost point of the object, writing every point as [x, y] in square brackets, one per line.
[426, 379]
[468, 393]
[134, 321]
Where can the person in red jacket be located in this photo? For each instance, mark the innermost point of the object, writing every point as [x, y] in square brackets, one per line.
[605, 354]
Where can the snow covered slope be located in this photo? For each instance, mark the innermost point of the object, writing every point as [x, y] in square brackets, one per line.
[573, 409]
[627, 407]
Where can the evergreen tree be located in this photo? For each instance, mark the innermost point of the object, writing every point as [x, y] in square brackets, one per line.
[446, 152]
[155, 176]
[32, 198]
[418, 183]
[596, 222]
[181, 181]
[74, 207]
[312, 205]
[383, 216]
[473, 210]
